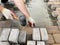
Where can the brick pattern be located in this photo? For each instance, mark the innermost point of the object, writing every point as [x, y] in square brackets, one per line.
[53, 29]
[55, 44]
[5, 34]
[54, 35]
[50, 40]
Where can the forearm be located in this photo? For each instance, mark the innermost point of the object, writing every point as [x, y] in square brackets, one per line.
[22, 7]
[1, 8]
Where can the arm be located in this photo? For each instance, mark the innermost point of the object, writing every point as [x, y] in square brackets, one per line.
[22, 7]
[1, 8]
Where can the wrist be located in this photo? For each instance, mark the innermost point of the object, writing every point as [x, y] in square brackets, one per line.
[3, 9]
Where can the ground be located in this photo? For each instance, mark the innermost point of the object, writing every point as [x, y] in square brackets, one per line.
[53, 33]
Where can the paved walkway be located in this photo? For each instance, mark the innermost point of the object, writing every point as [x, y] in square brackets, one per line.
[53, 33]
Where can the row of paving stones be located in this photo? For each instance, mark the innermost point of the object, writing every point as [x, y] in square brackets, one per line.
[54, 35]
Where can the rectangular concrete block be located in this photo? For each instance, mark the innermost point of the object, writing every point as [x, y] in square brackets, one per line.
[4, 43]
[31, 43]
[14, 35]
[5, 34]
[22, 37]
[36, 34]
[40, 43]
[44, 34]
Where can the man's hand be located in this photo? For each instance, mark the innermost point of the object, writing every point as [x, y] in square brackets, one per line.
[31, 22]
[8, 14]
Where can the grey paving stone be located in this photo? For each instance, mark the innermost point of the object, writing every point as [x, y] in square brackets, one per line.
[36, 34]
[40, 43]
[22, 37]
[13, 38]
[4, 43]
[5, 34]
[44, 34]
[31, 43]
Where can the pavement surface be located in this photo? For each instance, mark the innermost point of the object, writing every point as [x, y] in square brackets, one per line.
[39, 12]
[53, 33]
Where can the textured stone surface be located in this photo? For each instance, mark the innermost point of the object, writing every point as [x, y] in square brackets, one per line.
[5, 24]
[55, 44]
[31, 43]
[40, 43]
[44, 34]
[5, 34]
[50, 39]
[4, 43]
[14, 35]
[53, 29]
[22, 37]
[57, 38]
[36, 34]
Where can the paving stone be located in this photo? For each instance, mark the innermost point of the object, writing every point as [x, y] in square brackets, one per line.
[28, 30]
[53, 29]
[44, 34]
[40, 43]
[55, 44]
[47, 44]
[59, 27]
[14, 35]
[36, 34]
[4, 43]
[57, 9]
[22, 37]
[5, 24]
[5, 34]
[57, 38]
[31, 43]
[50, 39]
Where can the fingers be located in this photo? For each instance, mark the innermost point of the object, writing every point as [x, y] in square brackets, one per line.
[31, 24]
